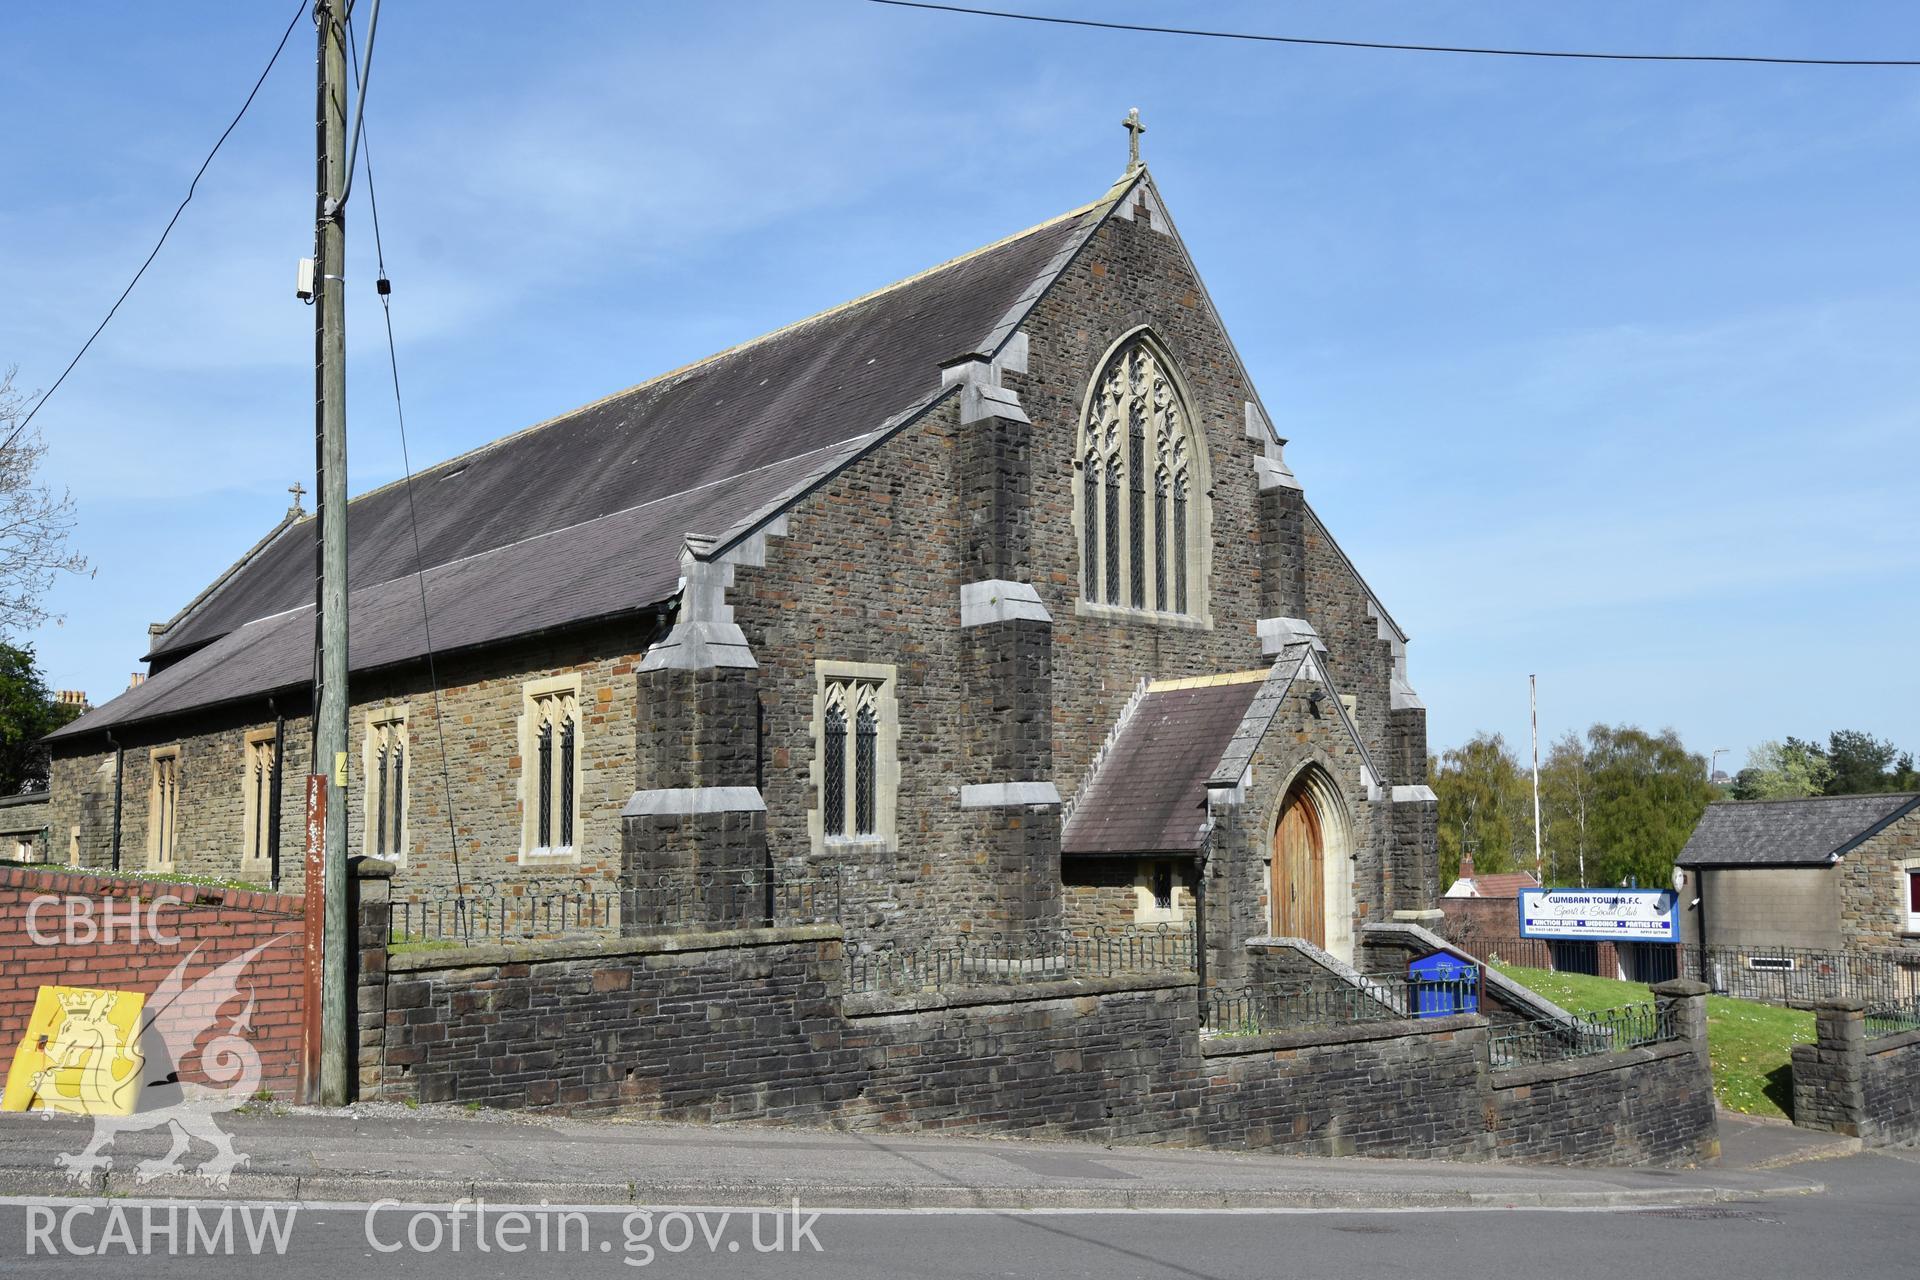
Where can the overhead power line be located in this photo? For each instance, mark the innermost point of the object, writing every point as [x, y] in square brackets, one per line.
[298, 10]
[385, 289]
[1402, 48]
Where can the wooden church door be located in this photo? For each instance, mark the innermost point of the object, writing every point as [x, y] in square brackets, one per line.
[1299, 872]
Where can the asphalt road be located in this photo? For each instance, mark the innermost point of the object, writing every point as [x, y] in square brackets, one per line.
[1864, 1226]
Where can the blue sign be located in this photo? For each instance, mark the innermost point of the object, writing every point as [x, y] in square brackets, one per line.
[1607, 915]
[1443, 985]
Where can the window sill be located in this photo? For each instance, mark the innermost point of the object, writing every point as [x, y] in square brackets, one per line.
[1146, 617]
[857, 842]
[550, 857]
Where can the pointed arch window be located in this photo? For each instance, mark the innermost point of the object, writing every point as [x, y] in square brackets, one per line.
[551, 770]
[1140, 481]
[857, 732]
[383, 761]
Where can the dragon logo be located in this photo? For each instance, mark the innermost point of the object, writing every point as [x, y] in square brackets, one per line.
[91, 1069]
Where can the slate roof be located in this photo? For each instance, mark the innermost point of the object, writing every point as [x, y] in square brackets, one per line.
[1150, 794]
[1789, 833]
[584, 516]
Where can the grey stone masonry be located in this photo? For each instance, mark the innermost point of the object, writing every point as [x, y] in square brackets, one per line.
[1006, 655]
[1847, 1083]
[698, 809]
[1283, 562]
[755, 1024]
[372, 911]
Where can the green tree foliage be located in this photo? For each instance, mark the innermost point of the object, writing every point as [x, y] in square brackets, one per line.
[1783, 771]
[27, 714]
[1648, 793]
[1863, 764]
[1486, 803]
[1622, 800]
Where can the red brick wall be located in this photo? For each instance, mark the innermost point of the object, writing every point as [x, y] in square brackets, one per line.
[223, 924]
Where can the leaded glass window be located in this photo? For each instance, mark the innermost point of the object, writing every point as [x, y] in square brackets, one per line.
[258, 803]
[552, 777]
[865, 779]
[855, 750]
[1138, 526]
[833, 769]
[385, 761]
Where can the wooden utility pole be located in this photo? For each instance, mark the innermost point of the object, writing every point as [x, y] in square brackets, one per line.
[330, 603]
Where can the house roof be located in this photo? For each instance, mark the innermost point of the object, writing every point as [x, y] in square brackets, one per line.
[1150, 793]
[1789, 833]
[1499, 884]
[584, 516]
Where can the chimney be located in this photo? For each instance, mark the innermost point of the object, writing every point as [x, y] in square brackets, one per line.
[1466, 866]
[71, 697]
[137, 679]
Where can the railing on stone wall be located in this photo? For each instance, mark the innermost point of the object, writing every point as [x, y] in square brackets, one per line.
[676, 901]
[1553, 1040]
[506, 911]
[1323, 1003]
[1892, 1019]
[993, 959]
[1798, 975]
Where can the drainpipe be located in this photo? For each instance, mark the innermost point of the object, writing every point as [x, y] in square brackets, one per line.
[273, 792]
[119, 778]
[1200, 915]
[1701, 896]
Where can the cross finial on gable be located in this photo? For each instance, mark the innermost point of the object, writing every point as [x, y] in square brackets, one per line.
[1134, 129]
[296, 489]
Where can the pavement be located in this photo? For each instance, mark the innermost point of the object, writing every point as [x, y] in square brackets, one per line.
[433, 1155]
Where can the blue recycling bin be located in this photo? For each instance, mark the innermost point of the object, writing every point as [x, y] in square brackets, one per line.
[1442, 984]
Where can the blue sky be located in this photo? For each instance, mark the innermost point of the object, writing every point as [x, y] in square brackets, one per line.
[1603, 371]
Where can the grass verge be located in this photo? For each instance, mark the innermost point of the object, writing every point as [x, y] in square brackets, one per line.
[1751, 1044]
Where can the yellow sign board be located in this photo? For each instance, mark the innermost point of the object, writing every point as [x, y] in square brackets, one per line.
[81, 1054]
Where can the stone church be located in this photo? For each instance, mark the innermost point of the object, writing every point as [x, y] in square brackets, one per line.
[990, 593]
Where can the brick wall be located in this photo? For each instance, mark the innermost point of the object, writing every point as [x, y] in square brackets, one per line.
[753, 1025]
[212, 926]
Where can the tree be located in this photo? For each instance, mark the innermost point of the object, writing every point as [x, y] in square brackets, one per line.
[28, 713]
[1648, 792]
[1783, 771]
[1484, 805]
[1862, 763]
[1566, 811]
[34, 524]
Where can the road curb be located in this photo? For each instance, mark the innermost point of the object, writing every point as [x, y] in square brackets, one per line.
[368, 1188]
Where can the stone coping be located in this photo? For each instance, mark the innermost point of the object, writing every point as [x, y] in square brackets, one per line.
[85, 882]
[1592, 1064]
[600, 948]
[1892, 1044]
[1415, 937]
[1386, 1029]
[878, 1005]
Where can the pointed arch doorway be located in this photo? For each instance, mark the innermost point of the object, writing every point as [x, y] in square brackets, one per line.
[1299, 868]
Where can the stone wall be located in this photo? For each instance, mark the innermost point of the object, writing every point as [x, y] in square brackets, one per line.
[480, 703]
[1641, 1106]
[1846, 1083]
[753, 1025]
[1872, 890]
[64, 929]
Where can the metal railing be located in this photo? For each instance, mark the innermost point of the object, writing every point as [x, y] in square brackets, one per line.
[992, 959]
[679, 901]
[1893, 1019]
[1552, 1040]
[1321, 1003]
[1790, 975]
[506, 911]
